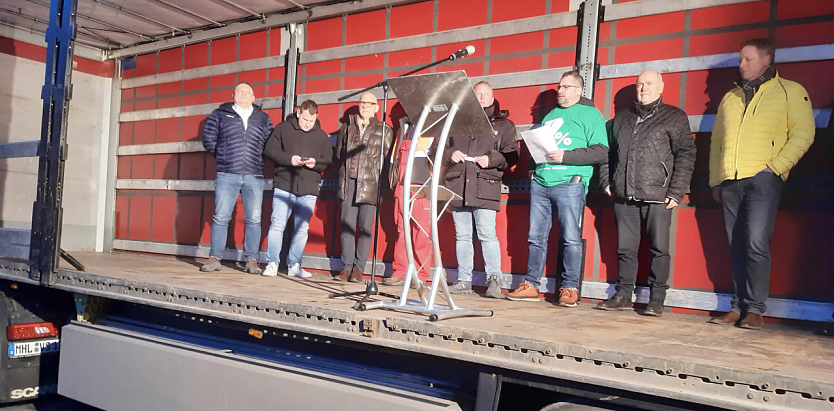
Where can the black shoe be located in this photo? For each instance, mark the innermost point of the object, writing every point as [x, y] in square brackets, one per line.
[617, 302]
[654, 308]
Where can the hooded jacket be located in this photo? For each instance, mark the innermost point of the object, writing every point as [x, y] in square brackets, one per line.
[481, 187]
[287, 140]
[237, 149]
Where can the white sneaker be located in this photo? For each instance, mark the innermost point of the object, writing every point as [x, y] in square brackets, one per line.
[271, 270]
[296, 271]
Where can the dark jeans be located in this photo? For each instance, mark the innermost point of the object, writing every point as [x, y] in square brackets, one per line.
[630, 215]
[355, 254]
[750, 207]
[568, 199]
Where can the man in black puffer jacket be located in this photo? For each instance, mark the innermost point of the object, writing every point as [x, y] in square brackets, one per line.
[235, 134]
[476, 168]
[651, 159]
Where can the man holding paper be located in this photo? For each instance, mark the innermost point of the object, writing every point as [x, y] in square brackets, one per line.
[575, 139]
[476, 167]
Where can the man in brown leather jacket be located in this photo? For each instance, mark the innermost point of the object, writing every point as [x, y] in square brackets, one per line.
[476, 167]
[358, 151]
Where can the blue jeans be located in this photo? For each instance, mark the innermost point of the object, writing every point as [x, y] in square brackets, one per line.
[227, 187]
[569, 200]
[750, 207]
[284, 203]
[485, 225]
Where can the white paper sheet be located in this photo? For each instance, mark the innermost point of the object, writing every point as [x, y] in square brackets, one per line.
[541, 141]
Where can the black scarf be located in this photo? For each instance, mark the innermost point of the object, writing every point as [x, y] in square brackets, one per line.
[750, 87]
[643, 110]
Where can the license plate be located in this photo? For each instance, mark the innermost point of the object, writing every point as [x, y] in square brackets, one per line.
[33, 348]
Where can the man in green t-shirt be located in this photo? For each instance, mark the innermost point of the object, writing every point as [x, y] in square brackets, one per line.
[561, 183]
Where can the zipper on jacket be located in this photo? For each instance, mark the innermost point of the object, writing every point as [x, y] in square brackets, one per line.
[738, 137]
[666, 170]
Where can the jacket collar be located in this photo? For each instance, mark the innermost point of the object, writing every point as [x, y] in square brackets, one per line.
[354, 120]
[645, 111]
[494, 111]
[229, 107]
[766, 85]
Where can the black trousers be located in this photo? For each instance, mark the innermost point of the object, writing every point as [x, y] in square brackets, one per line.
[630, 216]
[355, 253]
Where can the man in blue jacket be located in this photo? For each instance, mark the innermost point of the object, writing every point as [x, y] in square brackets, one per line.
[235, 135]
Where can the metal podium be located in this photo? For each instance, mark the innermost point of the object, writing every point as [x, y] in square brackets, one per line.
[436, 100]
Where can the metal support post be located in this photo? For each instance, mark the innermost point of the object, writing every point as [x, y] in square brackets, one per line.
[291, 76]
[112, 159]
[56, 94]
[589, 18]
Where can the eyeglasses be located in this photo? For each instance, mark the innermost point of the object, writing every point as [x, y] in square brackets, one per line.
[566, 87]
[366, 104]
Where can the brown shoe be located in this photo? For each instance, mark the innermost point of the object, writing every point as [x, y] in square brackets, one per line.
[524, 292]
[342, 276]
[355, 275]
[752, 321]
[730, 318]
[568, 297]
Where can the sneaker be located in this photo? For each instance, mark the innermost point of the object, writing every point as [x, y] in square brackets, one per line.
[494, 287]
[461, 287]
[212, 264]
[271, 270]
[296, 271]
[393, 281]
[568, 297]
[252, 267]
[524, 292]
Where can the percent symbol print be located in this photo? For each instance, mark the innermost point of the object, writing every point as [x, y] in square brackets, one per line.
[563, 138]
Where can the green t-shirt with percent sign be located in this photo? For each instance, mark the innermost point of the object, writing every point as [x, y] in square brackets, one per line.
[578, 126]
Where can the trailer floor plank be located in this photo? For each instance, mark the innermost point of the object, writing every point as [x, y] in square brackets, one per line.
[786, 350]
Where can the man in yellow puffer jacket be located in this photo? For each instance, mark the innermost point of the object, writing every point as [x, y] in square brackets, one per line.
[763, 127]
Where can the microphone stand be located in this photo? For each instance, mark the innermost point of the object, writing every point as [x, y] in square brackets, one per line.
[372, 289]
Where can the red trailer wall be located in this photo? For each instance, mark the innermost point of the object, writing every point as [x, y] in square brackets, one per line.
[801, 261]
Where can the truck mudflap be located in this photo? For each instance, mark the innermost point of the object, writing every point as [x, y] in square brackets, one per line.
[118, 369]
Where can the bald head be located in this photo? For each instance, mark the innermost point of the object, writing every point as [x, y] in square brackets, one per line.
[649, 86]
[367, 106]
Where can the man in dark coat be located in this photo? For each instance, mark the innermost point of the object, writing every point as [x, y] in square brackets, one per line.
[359, 146]
[651, 159]
[235, 134]
[476, 168]
[301, 150]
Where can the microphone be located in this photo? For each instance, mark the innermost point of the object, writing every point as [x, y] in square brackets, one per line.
[462, 53]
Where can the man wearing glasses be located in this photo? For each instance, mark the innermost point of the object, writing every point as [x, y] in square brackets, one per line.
[357, 151]
[561, 183]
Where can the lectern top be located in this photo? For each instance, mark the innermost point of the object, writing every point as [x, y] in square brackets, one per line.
[439, 91]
